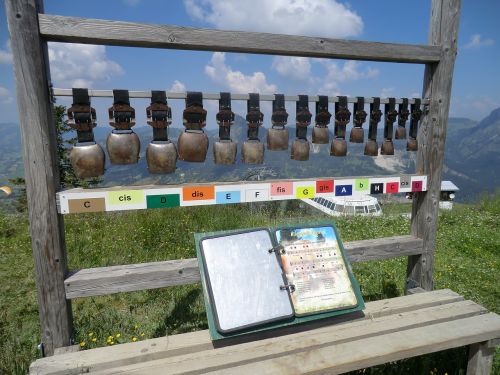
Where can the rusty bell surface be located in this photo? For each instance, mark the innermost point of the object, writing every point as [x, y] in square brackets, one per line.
[161, 157]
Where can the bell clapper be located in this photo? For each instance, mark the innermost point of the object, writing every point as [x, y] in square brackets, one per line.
[277, 135]
[342, 118]
[371, 146]
[253, 149]
[224, 148]
[300, 147]
[87, 157]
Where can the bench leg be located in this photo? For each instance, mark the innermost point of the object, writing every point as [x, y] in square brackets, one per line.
[480, 358]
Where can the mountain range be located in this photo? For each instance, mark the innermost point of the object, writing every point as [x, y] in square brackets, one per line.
[472, 158]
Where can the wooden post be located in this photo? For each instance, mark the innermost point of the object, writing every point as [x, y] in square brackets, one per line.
[481, 358]
[431, 139]
[41, 170]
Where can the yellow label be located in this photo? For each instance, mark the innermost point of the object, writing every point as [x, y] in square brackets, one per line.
[304, 192]
[125, 197]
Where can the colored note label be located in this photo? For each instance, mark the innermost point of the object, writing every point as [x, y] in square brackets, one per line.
[224, 197]
[86, 205]
[256, 195]
[323, 187]
[392, 187]
[377, 188]
[343, 190]
[416, 186]
[361, 184]
[284, 188]
[163, 200]
[125, 197]
[198, 193]
[302, 192]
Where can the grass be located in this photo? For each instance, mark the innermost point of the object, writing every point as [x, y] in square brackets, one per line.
[467, 261]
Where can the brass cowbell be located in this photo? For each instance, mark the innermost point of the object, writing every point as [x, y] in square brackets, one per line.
[277, 135]
[390, 117]
[342, 118]
[371, 146]
[359, 118]
[161, 153]
[416, 114]
[193, 142]
[300, 147]
[320, 132]
[87, 157]
[403, 114]
[224, 148]
[123, 144]
[252, 151]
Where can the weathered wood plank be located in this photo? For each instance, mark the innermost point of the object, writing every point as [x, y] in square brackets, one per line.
[118, 33]
[431, 139]
[447, 302]
[127, 278]
[41, 170]
[336, 350]
[480, 358]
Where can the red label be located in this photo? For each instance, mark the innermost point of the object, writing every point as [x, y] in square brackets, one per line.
[416, 185]
[391, 187]
[325, 186]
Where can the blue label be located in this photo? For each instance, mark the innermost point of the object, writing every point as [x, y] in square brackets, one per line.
[341, 190]
[223, 197]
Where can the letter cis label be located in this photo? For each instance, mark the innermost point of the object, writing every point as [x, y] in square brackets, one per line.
[125, 197]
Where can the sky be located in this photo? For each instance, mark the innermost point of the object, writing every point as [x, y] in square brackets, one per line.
[476, 85]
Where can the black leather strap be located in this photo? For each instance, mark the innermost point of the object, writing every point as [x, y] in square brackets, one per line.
[160, 111]
[303, 116]
[194, 116]
[416, 114]
[225, 116]
[323, 117]
[160, 134]
[81, 97]
[375, 116]
[342, 117]
[254, 116]
[194, 98]
[279, 117]
[121, 97]
[403, 113]
[158, 97]
[390, 118]
[359, 112]
[82, 113]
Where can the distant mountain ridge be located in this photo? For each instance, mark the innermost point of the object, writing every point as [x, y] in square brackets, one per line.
[472, 158]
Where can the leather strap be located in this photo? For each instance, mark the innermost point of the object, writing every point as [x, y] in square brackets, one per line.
[254, 116]
[159, 115]
[303, 116]
[279, 118]
[194, 116]
[121, 97]
[390, 118]
[323, 117]
[375, 116]
[342, 117]
[359, 112]
[121, 114]
[416, 114]
[81, 116]
[225, 116]
[403, 113]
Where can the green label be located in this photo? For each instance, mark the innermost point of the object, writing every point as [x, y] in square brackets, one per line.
[163, 200]
[126, 197]
[361, 184]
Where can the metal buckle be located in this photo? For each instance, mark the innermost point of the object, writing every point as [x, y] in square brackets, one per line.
[342, 116]
[303, 118]
[255, 118]
[360, 117]
[279, 117]
[403, 115]
[194, 115]
[81, 117]
[159, 115]
[225, 117]
[121, 116]
[417, 114]
[323, 118]
[376, 115]
[391, 116]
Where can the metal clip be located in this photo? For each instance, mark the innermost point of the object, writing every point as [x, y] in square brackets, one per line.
[289, 287]
[279, 249]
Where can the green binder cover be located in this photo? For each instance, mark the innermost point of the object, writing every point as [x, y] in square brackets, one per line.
[265, 278]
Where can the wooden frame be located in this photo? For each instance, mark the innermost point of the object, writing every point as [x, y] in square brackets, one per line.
[30, 30]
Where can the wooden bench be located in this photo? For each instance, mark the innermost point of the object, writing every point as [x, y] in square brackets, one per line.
[387, 330]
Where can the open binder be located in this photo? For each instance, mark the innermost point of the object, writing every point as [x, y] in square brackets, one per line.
[265, 278]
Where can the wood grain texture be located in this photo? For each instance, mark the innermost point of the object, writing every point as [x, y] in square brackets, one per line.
[118, 33]
[441, 304]
[41, 171]
[480, 358]
[431, 139]
[127, 278]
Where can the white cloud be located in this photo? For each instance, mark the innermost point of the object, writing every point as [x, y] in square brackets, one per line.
[387, 92]
[338, 73]
[235, 80]
[476, 41]
[326, 18]
[298, 68]
[5, 96]
[177, 86]
[80, 65]
[6, 54]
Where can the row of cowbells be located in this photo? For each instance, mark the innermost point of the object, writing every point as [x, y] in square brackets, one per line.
[123, 145]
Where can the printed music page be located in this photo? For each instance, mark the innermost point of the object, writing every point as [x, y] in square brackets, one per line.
[313, 263]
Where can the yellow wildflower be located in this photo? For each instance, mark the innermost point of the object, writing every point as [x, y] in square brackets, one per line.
[112, 343]
[118, 335]
[142, 334]
[91, 334]
[136, 326]
[94, 339]
[82, 344]
[134, 339]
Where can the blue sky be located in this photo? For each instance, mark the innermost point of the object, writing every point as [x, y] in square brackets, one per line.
[476, 86]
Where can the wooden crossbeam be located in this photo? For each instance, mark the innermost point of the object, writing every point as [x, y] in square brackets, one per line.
[130, 34]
